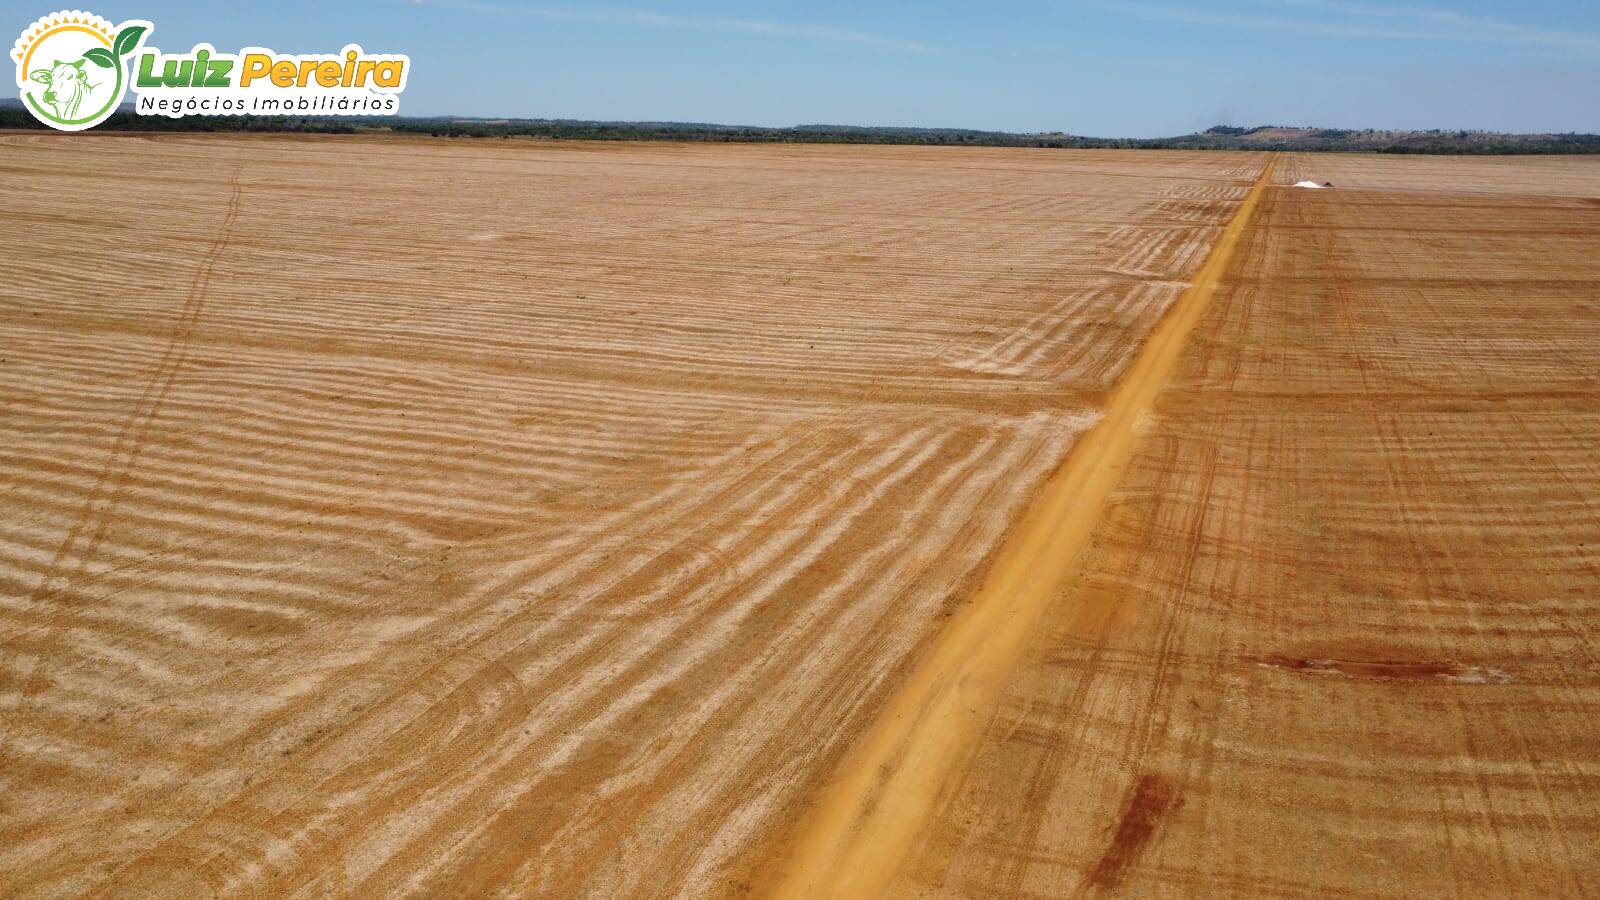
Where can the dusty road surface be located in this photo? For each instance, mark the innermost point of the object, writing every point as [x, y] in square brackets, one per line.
[861, 826]
[429, 517]
[447, 518]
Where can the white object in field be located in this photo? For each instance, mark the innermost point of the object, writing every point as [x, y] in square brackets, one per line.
[1309, 184]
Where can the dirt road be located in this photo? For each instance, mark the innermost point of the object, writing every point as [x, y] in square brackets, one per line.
[864, 823]
[390, 517]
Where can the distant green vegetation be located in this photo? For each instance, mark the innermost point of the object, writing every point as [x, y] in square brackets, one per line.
[1221, 137]
[1278, 137]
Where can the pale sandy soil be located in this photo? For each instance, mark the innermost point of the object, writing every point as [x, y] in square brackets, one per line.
[389, 517]
[1551, 176]
[427, 517]
[1337, 635]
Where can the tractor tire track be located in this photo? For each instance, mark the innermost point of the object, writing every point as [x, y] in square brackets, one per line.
[130, 442]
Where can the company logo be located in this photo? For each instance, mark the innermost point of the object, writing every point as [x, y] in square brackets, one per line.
[71, 70]
[74, 68]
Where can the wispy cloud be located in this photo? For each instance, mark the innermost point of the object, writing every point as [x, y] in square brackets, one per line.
[645, 19]
[1346, 18]
[1446, 24]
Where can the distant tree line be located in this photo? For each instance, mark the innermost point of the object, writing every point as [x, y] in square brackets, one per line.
[17, 117]
[1221, 137]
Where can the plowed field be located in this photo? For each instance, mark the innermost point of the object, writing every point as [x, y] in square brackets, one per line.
[393, 516]
[1338, 632]
[418, 517]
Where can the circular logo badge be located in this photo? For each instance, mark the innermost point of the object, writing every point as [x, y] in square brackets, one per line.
[72, 67]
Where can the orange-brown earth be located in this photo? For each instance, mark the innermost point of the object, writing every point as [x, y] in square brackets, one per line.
[1339, 629]
[388, 516]
[421, 517]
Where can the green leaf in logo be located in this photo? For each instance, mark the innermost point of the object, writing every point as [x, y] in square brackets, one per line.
[100, 56]
[128, 38]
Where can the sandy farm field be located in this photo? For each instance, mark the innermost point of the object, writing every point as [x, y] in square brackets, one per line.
[450, 518]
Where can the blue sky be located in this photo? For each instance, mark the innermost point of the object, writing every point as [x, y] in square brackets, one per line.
[1095, 67]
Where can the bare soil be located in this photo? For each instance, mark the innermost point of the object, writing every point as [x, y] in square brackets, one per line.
[390, 517]
[1337, 632]
[417, 517]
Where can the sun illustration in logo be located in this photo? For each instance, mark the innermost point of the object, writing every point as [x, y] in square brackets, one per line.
[72, 67]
